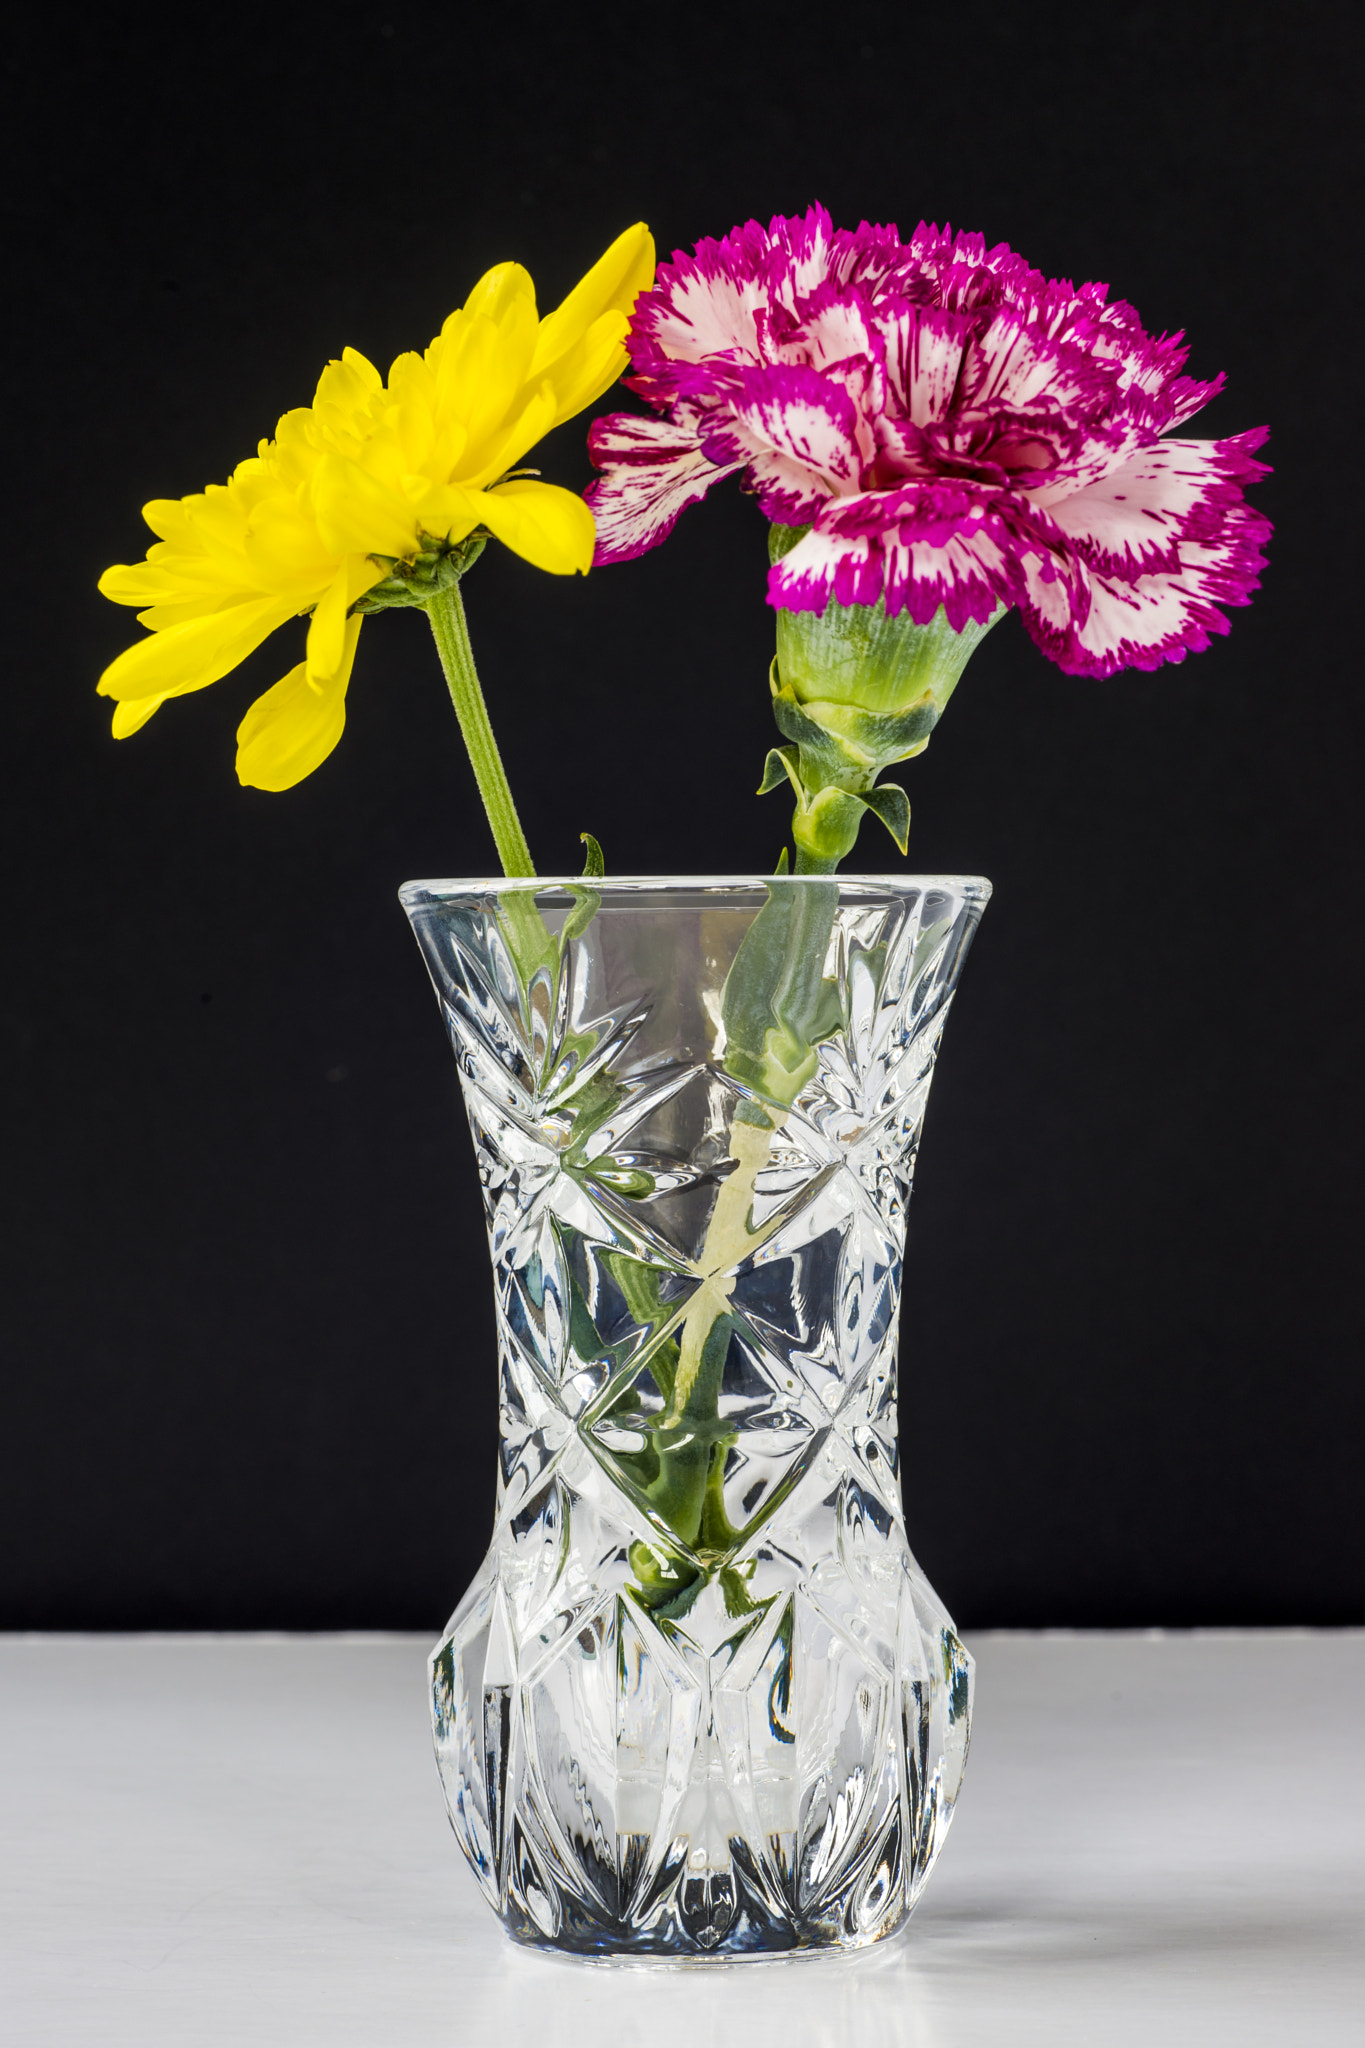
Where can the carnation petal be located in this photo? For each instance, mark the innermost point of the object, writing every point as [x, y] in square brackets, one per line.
[924, 348]
[939, 547]
[654, 469]
[796, 431]
[1135, 520]
[1094, 620]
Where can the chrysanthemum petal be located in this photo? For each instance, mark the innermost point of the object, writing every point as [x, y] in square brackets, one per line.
[356, 513]
[328, 627]
[480, 367]
[613, 284]
[505, 449]
[449, 511]
[346, 388]
[289, 731]
[591, 367]
[543, 523]
[654, 469]
[191, 656]
[498, 289]
[131, 717]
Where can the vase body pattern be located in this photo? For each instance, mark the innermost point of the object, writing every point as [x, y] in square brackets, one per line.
[699, 1699]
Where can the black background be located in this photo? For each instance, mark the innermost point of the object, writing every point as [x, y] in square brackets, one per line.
[249, 1355]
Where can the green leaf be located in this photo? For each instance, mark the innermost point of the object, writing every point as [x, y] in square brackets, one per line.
[587, 903]
[780, 767]
[594, 865]
[889, 802]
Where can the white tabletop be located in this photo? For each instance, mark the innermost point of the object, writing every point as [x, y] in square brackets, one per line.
[241, 1839]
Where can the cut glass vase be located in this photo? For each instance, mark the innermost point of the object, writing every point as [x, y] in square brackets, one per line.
[699, 1700]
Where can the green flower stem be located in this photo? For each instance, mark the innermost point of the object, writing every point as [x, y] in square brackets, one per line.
[451, 635]
[809, 864]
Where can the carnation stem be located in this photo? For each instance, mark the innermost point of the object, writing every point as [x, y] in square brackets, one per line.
[451, 634]
[811, 864]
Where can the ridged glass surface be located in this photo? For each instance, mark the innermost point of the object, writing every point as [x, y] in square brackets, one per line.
[699, 1699]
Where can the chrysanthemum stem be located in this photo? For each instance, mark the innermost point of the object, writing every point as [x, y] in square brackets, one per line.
[451, 634]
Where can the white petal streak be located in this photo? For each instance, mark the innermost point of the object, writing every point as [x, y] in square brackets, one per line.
[1014, 363]
[704, 316]
[655, 470]
[924, 348]
[826, 565]
[969, 575]
[1135, 520]
[1094, 622]
[1152, 619]
[798, 439]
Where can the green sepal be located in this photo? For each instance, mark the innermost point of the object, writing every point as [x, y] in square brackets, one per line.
[843, 744]
[889, 802]
[436, 566]
[783, 864]
[782, 765]
[594, 865]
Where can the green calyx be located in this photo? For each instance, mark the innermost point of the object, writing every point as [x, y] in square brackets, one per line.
[853, 691]
[438, 565]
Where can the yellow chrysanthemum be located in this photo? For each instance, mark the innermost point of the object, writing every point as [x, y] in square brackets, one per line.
[370, 470]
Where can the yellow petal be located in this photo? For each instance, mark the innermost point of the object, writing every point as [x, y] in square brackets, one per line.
[327, 632]
[510, 442]
[195, 654]
[139, 583]
[585, 371]
[327, 629]
[289, 731]
[612, 285]
[349, 384]
[497, 289]
[356, 513]
[481, 371]
[166, 517]
[448, 511]
[544, 524]
[130, 718]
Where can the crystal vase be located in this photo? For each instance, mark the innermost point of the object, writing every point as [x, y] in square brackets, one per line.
[699, 1699]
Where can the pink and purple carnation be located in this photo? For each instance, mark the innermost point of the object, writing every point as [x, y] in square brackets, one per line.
[955, 429]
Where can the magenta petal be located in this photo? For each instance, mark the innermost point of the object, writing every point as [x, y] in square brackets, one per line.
[1138, 519]
[796, 432]
[1121, 613]
[958, 430]
[946, 547]
[654, 470]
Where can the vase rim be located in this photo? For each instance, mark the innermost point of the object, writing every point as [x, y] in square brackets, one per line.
[972, 888]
